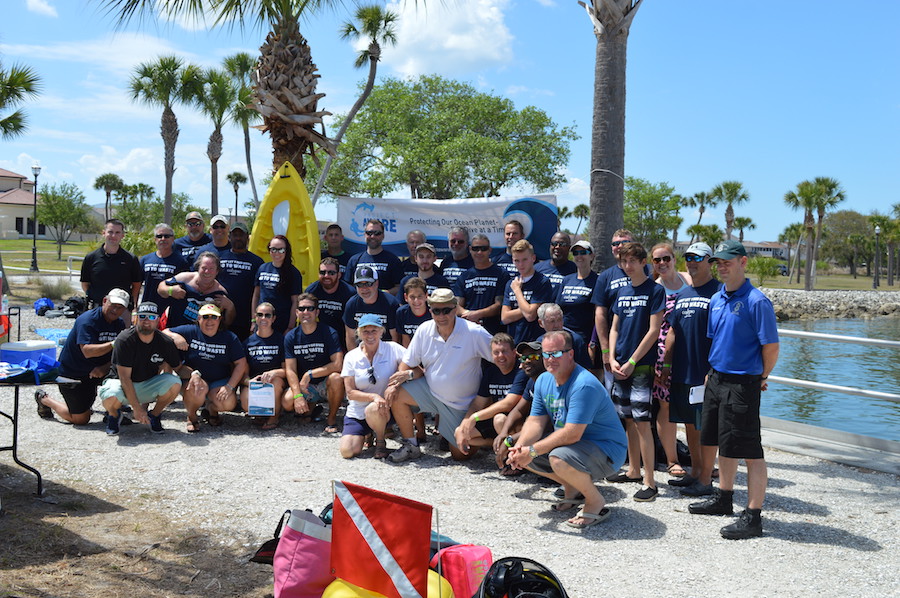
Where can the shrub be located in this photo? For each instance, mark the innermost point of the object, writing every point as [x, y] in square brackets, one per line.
[764, 268]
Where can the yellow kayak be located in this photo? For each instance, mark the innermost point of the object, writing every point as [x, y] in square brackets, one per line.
[287, 210]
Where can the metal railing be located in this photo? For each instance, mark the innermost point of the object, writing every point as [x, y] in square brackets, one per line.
[850, 390]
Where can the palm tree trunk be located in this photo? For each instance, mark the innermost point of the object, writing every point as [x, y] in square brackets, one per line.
[608, 141]
[249, 168]
[108, 201]
[214, 152]
[169, 131]
[810, 252]
[729, 221]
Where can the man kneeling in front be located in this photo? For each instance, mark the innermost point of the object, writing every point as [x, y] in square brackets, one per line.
[586, 442]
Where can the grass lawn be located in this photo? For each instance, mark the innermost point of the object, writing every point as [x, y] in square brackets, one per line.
[836, 282]
[17, 254]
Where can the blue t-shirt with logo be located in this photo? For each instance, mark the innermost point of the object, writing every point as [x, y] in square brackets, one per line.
[267, 279]
[582, 400]
[156, 269]
[634, 306]
[188, 248]
[312, 350]
[556, 273]
[408, 322]
[452, 269]
[740, 323]
[480, 289]
[505, 261]
[237, 275]
[331, 305]
[90, 328]
[385, 308]
[688, 319]
[385, 263]
[573, 295]
[212, 355]
[264, 354]
[495, 384]
[537, 290]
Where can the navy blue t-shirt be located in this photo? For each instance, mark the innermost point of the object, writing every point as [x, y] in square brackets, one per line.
[264, 354]
[537, 290]
[573, 295]
[634, 306]
[504, 260]
[212, 355]
[188, 248]
[342, 259]
[452, 269]
[386, 263]
[90, 328]
[385, 307]
[211, 247]
[331, 305]
[480, 289]
[495, 384]
[408, 322]
[311, 350]
[237, 275]
[411, 267]
[554, 273]
[689, 318]
[156, 269]
[435, 281]
[267, 279]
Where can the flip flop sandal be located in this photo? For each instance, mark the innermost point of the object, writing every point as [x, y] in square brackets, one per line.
[509, 472]
[676, 470]
[381, 451]
[331, 430]
[193, 426]
[592, 518]
[566, 504]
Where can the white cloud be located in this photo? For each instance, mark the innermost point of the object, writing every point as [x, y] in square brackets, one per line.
[41, 7]
[450, 38]
[137, 163]
[513, 90]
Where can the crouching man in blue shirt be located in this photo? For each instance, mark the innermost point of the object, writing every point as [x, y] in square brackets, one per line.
[587, 442]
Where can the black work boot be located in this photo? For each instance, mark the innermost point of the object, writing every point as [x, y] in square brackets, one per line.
[719, 504]
[749, 525]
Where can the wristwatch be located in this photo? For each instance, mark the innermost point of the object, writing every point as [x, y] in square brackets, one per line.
[411, 375]
[532, 452]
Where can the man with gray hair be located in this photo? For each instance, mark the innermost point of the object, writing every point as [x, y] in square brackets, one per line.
[414, 238]
[163, 263]
[460, 259]
[550, 317]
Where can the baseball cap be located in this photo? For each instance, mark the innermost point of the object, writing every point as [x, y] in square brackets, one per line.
[584, 245]
[218, 218]
[427, 246]
[240, 225]
[365, 274]
[699, 248]
[148, 307]
[209, 308]
[369, 320]
[441, 296]
[727, 250]
[119, 297]
[528, 347]
[194, 216]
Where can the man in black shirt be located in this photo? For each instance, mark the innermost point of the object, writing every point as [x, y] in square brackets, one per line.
[111, 267]
[143, 362]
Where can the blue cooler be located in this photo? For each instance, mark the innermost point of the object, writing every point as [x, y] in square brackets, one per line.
[20, 351]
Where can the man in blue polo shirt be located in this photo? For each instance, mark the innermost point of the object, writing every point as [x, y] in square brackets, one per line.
[744, 351]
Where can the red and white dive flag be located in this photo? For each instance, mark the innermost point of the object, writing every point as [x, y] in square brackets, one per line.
[380, 542]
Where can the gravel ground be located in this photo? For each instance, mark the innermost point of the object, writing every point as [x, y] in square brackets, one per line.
[830, 530]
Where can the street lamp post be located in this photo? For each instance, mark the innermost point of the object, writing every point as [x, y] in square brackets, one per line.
[877, 257]
[36, 170]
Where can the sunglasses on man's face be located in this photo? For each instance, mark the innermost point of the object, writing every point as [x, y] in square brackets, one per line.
[264, 316]
[164, 236]
[665, 258]
[327, 272]
[306, 308]
[529, 357]
[480, 248]
[374, 233]
[559, 244]
[442, 311]
[219, 226]
[617, 243]
[195, 223]
[364, 285]
[457, 241]
[694, 258]
[578, 252]
[150, 317]
[549, 354]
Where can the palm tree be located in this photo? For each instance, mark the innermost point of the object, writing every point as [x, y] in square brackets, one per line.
[741, 223]
[731, 193]
[701, 200]
[791, 236]
[285, 79]
[16, 85]
[612, 22]
[240, 66]
[378, 26]
[214, 99]
[108, 182]
[583, 212]
[562, 212]
[856, 241]
[830, 194]
[677, 220]
[710, 234]
[805, 197]
[164, 83]
[236, 179]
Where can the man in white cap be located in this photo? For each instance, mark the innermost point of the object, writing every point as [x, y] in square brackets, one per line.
[143, 364]
[85, 357]
[218, 230]
[440, 373]
[195, 238]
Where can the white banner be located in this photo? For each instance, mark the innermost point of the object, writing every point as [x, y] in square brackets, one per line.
[435, 218]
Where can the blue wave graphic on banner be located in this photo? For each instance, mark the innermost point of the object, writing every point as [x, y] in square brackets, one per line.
[539, 219]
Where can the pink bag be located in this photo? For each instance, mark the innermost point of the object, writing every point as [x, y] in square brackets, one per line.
[464, 566]
[302, 560]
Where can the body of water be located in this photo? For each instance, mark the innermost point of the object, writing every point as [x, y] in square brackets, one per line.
[842, 364]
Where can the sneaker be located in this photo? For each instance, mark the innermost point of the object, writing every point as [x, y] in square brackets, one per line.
[682, 482]
[646, 494]
[43, 411]
[406, 452]
[155, 423]
[749, 525]
[112, 423]
[697, 489]
[719, 504]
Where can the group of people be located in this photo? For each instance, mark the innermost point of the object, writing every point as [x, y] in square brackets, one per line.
[553, 367]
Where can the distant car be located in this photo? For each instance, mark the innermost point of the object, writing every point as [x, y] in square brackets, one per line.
[782, 269]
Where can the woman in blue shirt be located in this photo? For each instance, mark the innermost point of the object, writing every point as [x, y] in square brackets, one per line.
[278, 282]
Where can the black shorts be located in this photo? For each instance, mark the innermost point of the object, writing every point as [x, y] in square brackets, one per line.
[731, 415]
[80, 397]
[486, 428]
[681, 411]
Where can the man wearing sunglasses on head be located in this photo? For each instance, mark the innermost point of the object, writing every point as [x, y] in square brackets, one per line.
[440, 374]
[195, 238]
[143, 364]
[586, 442]
[333, 294]
[376, 257]
[161, 264]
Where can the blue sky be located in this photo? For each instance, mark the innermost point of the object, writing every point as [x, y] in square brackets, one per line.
[768, 93]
